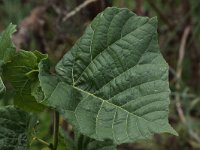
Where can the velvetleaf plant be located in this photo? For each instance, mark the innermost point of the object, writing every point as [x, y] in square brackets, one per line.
[112, 86]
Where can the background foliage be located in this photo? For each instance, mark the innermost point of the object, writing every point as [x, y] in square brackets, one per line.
[41, 27]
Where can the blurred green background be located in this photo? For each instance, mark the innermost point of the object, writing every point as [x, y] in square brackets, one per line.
[41, 27]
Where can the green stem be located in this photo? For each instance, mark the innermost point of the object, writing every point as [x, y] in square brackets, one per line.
[55, 130]
[43, 142]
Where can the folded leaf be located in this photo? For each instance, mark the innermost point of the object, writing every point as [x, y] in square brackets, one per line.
[14, 129]
[114, 81]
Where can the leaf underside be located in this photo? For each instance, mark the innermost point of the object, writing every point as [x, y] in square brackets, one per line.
[113, 83]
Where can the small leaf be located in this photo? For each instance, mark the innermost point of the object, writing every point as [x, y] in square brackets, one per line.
[15, 128]
[22, 73]
[7, 49]
[114, 81]
[20, 69]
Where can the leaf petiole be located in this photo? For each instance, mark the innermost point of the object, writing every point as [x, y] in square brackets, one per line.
[43, 142]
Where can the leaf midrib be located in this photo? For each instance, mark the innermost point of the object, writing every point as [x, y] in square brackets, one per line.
[103, 100]
[107, 48]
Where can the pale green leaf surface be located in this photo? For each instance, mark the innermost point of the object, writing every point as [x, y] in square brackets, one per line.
[114, 81]
[14, 129]
[7, 49]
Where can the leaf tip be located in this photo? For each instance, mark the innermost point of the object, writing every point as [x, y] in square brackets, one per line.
[171, 130]
[12, 28]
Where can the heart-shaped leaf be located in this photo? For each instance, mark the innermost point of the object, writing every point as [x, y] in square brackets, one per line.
[113, 83]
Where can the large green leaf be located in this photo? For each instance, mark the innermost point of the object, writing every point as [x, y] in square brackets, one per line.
[22, 73]
[113, 83]
[15, 128]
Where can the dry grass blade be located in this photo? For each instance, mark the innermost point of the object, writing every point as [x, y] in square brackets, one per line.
[77, 9]
[182, 117]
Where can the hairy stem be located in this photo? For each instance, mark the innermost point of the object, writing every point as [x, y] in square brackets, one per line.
[55, 130]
